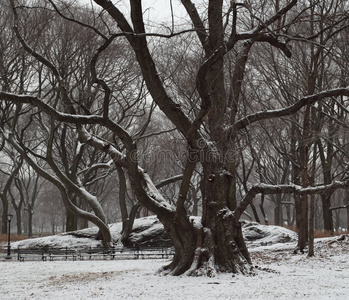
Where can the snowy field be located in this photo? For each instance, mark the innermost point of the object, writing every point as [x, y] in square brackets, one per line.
[280, 275]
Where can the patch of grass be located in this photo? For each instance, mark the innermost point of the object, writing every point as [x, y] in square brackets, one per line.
[318, 233]
[14, 238]
[86, 277]
[293, 228]
[325, 233]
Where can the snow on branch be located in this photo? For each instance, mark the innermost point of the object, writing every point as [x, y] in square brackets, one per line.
[339, 207]
[59, 116]
[287, 111]
[67, 118]
[150, 189]
[284, 189]
[153, 193]
[265, 24]
[168, 181]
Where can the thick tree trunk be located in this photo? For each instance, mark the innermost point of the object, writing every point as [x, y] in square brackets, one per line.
[326, 212]
[229, 252]
[302, 206]
[82, 222]
[30, 222]
[184, 237]
[303, 223]
[278, 213]
[71, 217]
[71, 221]
[326, 196]
[278, 217]
[201, 250]
[336, 222]
[219, 243]
[265, 216]
[311, 227]
[19, 222]
[4, 214]
[127, 224]
[53, 228]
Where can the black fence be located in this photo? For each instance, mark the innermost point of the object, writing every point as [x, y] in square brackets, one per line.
[52, 254]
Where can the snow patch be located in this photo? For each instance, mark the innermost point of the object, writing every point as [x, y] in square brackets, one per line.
[150, 231]
[256, 234]
[280, 275]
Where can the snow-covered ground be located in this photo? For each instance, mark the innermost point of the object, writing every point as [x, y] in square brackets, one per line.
[280, 275]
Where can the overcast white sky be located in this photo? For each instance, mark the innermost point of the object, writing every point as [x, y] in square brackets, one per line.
[155, 10]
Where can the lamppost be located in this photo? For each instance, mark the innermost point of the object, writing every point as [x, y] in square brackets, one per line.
[9, 218]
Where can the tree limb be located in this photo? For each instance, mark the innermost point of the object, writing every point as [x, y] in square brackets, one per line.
[167, 181]
[197, 22]
[285, 189]
[339, 207]
[67, 118]
[287, 111]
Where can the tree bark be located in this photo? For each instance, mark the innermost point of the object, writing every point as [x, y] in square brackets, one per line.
[127, 224]
[4, 201]
[311, 226]
[347, 217]
[327, 213]
[30, 221]
[71, 221]
[278, 216]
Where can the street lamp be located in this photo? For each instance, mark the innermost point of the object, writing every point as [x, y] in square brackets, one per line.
[9, 218]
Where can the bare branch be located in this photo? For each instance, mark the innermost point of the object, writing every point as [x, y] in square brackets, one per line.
[285, 189]
[339, 207]
[145, 136]
[287, 111]
[275, 17]
[77, 21]
[67, 118]
[197, 22]
[168, 181]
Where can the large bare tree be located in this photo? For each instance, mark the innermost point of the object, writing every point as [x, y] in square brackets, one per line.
[211, 123]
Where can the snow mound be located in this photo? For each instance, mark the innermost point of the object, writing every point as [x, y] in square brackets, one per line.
[149, 231]
[57, 241]
[256, 234]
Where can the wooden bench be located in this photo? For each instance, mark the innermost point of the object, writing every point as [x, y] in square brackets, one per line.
[100, 252]
[31, 254]
[62, 253]
[160, 252]
[112, 253]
